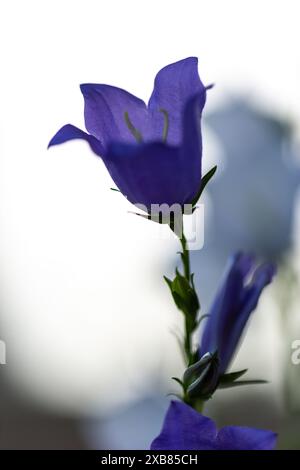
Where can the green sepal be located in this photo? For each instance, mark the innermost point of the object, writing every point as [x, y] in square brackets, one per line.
[240, 383]
[154, 218]
[232, 376]
[175, 224]
[169, 282]
[176, 379]
[206, 178]
[183, 294]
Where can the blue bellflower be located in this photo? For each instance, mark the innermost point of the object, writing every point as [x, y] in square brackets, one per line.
[153, 152]
[259, 157]
[235, 301]
[186, 429]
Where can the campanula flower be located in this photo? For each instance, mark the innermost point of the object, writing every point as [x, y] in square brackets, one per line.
[186, 429]
[256, 156]
[259, 157]
[153, 152]
[235, 301]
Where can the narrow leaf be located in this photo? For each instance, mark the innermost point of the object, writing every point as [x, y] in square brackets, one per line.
[232, 376]
[168, 281]
[240, 383]
[206, 178]
[178, 381]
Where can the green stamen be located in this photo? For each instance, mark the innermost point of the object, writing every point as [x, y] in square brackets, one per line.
[136, 134]
[166, 124]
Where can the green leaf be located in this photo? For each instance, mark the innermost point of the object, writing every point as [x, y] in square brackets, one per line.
[178, 381]
[175, 296]
[206, 178]
[183, 294]
[232, 376]
[169, 282]
[175, 223]
[240, 383]
[180, 303]
[115, 189]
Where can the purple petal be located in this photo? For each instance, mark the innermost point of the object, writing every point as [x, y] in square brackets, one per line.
[217, 334]
[70, 132]
[243, 438]
[174, 85]
[237, 320]
[147, 174]
[104, 111]
[156, 173]
[191, 146]
[232, 307]
[185, 429]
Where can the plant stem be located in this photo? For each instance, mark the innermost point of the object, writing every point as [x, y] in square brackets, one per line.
[199, 405]
[186, 299]
[188, 344]
[185, 257]
[189, 324]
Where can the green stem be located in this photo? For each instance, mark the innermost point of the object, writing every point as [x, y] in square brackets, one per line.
[188, 344]
[187, 301]
[195, 403]
[189, 325]
[185, 257]
[199, 405]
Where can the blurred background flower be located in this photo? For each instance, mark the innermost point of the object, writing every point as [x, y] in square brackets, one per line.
[82, 295]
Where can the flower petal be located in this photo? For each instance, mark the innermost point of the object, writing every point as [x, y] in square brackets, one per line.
[148, 174]
[104, 112]
[243, 438]
[248, 302]
[174, 85]
[191, 146]
[70, 132]
[185, 429]
[217, 334]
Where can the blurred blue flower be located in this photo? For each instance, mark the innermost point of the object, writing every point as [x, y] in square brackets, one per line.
[235, 301]
[252, 198]
[153, 153]
[186, 429]
[258, 165]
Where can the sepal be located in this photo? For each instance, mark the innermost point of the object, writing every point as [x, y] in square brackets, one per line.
[240, 383]
[183, 294]
[232, 376]
[204, 180]
[231, 380]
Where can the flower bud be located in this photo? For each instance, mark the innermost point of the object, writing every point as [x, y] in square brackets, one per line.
[202, 377]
